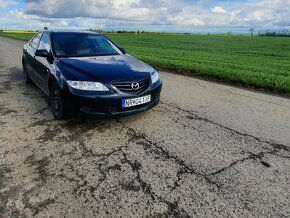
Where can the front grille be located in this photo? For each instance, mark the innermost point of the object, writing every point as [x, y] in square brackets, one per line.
[127, 86]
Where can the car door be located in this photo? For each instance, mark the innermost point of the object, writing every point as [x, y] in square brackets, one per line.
[42, 65]
[30, 57]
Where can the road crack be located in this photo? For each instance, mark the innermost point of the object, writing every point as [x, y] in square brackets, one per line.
[193, 116]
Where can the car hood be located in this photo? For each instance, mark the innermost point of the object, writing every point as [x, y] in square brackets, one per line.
[103, 68]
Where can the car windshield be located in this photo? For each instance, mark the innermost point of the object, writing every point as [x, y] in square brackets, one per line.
[82, 45]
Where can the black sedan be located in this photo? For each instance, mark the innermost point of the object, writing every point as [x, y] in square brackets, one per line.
[84, 73]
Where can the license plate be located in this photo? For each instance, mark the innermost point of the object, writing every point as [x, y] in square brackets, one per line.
[135, 101]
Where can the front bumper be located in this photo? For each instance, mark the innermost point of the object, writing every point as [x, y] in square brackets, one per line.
[109, 105]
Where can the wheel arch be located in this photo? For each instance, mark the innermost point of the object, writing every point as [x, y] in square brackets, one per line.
[60, 82]
[50, 80]
[23, 61]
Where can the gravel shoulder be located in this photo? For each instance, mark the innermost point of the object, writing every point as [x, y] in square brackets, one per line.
[207, 150]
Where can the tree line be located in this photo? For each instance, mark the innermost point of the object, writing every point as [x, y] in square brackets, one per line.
[277, 33]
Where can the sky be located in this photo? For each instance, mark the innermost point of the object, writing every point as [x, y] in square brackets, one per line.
[194, 16]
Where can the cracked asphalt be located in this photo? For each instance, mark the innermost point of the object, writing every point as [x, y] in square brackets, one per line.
[207, 150]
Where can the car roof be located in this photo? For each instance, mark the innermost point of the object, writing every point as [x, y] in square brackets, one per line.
[68, 31]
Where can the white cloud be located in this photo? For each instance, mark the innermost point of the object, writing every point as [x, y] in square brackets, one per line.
[183, 21]
[7, 3]
[218, 9]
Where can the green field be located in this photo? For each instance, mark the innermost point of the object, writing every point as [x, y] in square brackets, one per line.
[21, 36]
[261, 62]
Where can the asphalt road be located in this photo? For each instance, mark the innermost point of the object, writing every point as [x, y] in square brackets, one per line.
[207, 150]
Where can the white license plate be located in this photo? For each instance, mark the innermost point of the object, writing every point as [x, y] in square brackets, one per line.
[135, 101]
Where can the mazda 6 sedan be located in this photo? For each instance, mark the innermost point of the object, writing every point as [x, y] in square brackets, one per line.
[84, 73]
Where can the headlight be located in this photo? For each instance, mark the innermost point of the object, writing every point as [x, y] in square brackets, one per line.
[154, 77]
[88, 86]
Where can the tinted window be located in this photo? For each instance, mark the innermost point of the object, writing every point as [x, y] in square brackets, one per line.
[44, 42]
[82, 44]
[35, 41]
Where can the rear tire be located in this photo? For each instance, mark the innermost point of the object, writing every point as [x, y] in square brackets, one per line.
[57, 102]
[27, 78]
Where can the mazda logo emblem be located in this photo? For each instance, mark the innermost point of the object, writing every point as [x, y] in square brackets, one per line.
[135, 86]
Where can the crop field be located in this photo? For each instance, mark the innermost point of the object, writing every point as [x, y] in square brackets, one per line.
[17, 34]
[261, 62]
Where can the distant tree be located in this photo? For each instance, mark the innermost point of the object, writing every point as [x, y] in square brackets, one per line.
[252, 31]
[275, 33]
[285, 32]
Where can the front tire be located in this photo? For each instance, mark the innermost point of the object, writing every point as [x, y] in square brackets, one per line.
[57, 103]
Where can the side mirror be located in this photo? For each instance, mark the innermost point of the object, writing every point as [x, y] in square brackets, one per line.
[42, 53]
[123, 50]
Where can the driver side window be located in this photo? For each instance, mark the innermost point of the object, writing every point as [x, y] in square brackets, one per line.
[35, 41]
[44, 42]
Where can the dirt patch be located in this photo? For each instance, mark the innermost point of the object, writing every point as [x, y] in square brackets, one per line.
[2, 123]
[16, 74]
[40, 167]
[5, 87]
[4, 195]
[4, 110]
